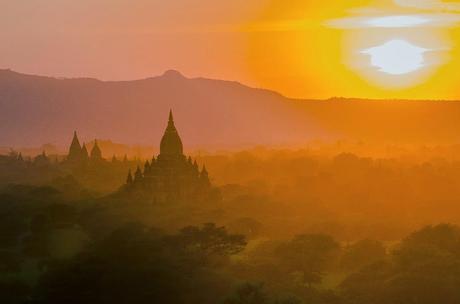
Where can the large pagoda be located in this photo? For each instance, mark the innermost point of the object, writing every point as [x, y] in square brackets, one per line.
[171, 176]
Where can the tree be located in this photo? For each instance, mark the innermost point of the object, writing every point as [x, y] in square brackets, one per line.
[427, 244]
[256, 293]
[424, 269]
[13, 291]
[361, 253]
[248, 294]
[210, 239]
[136, 264]
[309, 254]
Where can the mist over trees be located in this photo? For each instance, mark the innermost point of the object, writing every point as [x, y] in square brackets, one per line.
[287, 227]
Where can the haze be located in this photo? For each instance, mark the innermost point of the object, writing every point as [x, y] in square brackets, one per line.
[302, 49]
[229, 152]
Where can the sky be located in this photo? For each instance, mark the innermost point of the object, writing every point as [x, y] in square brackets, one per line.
[300, 48]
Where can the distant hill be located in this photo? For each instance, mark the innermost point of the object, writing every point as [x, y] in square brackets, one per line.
[208, 113]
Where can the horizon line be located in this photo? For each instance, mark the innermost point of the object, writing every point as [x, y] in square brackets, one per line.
[180, 74]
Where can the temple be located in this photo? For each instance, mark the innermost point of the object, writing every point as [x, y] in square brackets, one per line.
[78, 154]
[171, 176]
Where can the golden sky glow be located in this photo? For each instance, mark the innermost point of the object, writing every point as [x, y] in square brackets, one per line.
[378, 49]
[304, 49]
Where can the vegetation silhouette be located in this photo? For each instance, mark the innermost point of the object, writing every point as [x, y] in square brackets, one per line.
[331, 224]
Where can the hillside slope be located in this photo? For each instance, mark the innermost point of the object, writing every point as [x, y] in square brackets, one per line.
[208, 113]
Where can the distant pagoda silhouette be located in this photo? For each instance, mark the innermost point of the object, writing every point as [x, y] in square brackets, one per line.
[78, 154]
[75, 150]
[171, 176]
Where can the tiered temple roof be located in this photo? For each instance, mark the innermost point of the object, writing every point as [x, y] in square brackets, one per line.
[170, 176]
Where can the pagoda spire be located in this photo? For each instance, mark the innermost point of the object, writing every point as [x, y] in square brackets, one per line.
[204, 177]
[75, 149]
[195, 166]
[204, 171]
[96, 153]
[75, 140]
[129, 179]
[147, 167]
[138, 175]
[84, 152]
[171, 143]
[171, 127]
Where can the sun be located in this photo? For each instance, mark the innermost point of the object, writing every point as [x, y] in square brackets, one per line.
[397, 57]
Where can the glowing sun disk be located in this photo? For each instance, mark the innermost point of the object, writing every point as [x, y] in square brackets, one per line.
[397, 57]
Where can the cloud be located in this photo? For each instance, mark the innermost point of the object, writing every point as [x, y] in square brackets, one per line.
[403, 14]
[396, 21]
[433, 5]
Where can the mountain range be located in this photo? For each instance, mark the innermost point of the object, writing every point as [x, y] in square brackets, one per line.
[208, 113]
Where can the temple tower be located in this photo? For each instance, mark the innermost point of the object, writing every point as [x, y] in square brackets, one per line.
[75, 149]
[96, 153]
[171, 144]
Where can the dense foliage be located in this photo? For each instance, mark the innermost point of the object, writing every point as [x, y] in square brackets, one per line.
[272, 242]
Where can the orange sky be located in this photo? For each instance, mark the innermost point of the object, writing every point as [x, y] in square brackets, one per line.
[287, 46]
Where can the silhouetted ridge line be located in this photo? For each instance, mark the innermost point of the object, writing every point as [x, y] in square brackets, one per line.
[236, 115]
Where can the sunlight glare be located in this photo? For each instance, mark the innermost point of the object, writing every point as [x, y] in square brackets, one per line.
[396, 57]
[398, 21]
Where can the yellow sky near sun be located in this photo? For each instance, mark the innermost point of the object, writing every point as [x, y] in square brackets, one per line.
[300, 48]
[293, 50]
